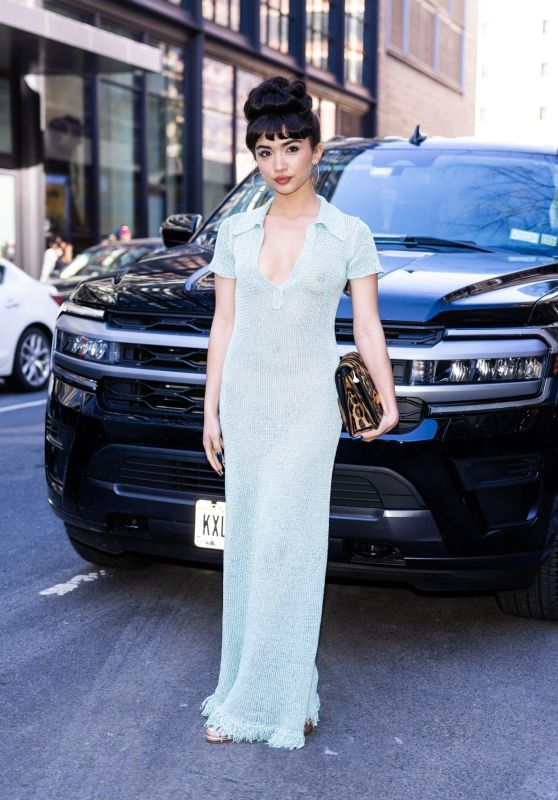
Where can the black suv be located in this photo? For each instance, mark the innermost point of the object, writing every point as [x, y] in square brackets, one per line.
[461, 495]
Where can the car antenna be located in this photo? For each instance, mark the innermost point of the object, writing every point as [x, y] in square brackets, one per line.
[417, 137]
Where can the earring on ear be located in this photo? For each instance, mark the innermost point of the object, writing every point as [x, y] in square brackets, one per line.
[315, 177]
[262, 188]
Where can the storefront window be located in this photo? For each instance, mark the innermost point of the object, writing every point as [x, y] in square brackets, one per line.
[165, 120]
[68, 157]
[244, 161]
[7, 215]
[6, 139]
[119, 163]
[218, 114]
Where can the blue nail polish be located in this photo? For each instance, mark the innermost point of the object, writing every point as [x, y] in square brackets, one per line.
[219, 456]
[357, 437]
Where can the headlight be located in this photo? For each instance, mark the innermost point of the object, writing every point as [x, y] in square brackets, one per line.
[477, 370]
[89, 348]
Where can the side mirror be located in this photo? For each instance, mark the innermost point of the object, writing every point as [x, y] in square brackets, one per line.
[178, 228]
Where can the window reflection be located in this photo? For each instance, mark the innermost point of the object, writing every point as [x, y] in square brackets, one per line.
[317, 33]
[223, 12]
[274, 24]
[354, 40]
[217, 131]
[67, 144]
[119, 163]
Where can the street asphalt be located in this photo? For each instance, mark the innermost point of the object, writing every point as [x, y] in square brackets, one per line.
[102, 673]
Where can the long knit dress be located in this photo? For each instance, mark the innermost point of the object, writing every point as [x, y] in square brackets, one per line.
[280, 424]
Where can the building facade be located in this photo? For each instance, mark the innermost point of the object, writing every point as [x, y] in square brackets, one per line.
[124, 112]
[427, 67]
[518, 71]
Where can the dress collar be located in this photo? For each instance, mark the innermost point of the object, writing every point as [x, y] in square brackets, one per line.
[330, 216]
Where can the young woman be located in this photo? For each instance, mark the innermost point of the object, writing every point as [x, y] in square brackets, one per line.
[271, 416]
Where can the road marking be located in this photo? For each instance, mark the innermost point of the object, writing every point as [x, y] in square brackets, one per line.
[73, 583]
[23, 405]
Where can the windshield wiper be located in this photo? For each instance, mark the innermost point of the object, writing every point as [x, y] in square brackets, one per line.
[428, 241]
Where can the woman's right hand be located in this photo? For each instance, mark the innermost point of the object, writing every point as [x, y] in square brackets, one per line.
[213, 441]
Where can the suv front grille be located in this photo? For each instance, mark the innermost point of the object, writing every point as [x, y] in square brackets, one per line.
[352, 487]
[189, 359]
[161, 322]
[154, 398]
[157, 398]
[409, 335]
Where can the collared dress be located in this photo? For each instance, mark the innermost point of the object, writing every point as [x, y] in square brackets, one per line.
[280, 424]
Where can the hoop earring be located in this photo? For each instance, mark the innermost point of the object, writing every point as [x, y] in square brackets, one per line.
[262, 188]
[315, 178]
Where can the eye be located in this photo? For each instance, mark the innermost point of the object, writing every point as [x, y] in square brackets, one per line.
[296, 148]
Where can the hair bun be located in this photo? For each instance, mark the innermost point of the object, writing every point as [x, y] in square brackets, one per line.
[277, 96]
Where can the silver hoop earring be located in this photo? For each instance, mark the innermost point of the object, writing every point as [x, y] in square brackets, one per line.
[315, 177]
[262, 188]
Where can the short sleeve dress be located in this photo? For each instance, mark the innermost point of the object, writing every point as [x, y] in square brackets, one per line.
[280, 424]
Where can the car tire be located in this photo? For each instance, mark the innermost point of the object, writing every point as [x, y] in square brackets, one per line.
[540, 599]
[124, 560]
[31, 361]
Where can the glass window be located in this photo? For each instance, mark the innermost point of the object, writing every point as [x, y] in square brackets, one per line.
[493, 199]
[165, 135]
[7, 215]
[274, 24]
[223, 12]
[67, 144]
[6, 139]
[354, 40]
[67, 11]
[317, 33]
[217, 131]
[119, 163]
[244, 159]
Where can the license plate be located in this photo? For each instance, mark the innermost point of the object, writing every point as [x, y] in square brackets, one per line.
[209, 530]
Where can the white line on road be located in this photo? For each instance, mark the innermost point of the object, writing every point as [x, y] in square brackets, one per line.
[23, 405]
[73, 583]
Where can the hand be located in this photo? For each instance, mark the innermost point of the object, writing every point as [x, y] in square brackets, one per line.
[389, 420]
[213, 441]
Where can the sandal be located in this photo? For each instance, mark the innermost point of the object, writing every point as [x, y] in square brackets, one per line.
[216, 738]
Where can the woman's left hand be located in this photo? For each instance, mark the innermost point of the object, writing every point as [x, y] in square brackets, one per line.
[389, 420]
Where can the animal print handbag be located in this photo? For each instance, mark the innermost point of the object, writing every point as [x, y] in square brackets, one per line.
[358, 399]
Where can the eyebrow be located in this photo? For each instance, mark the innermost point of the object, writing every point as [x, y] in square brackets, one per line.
[284, 144]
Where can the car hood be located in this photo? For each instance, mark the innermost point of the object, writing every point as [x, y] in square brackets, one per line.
[423, 286]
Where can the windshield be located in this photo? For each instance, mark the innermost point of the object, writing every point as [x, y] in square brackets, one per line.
[104, 259]
[489, 198]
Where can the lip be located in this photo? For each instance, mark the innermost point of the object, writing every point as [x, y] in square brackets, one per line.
[282, 180]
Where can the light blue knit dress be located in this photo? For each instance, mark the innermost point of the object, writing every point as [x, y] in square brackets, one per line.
[280, 424]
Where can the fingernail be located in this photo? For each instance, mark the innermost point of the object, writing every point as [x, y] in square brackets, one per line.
[357, 437]
[219, 456]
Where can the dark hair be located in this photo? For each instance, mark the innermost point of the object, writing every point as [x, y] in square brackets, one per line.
[282, 107]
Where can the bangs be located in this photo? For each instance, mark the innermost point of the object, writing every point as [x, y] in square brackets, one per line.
[288, 126]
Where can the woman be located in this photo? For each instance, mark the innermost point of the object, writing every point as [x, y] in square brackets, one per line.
[271, 416]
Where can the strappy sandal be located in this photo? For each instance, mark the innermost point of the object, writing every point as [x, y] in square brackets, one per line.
[216, 738]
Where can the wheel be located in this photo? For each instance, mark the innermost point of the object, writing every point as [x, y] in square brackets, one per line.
[31, 361]
[540, 599]
[125, 560]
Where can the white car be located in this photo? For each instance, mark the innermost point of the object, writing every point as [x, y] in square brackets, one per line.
[28, 311]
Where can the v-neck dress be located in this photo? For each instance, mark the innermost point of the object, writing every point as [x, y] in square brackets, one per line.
[280, 424]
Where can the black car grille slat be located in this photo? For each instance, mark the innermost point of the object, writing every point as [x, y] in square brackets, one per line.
[151, 397]
[410, 335]
[156, 398]
[148, 356]
[352, 487]
[162, 323]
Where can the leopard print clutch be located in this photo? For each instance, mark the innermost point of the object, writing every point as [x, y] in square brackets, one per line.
[359, 402]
